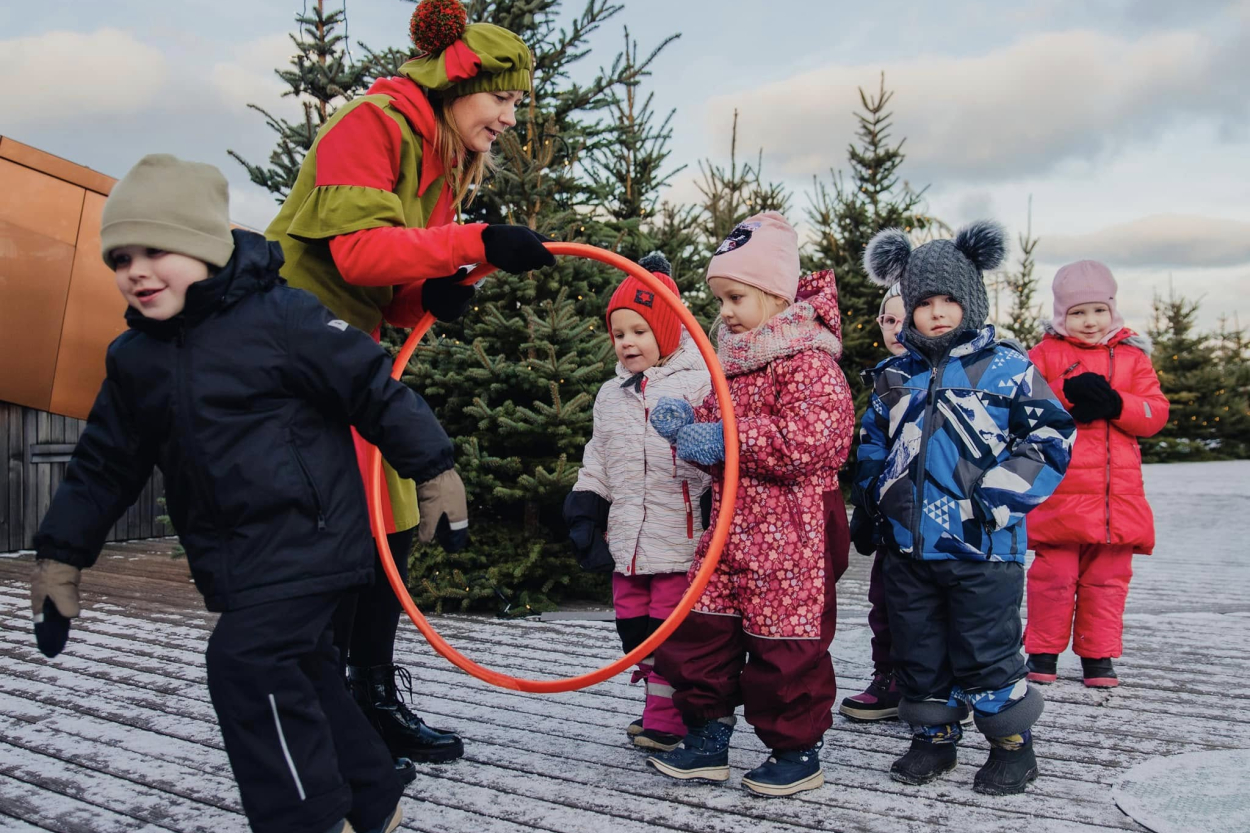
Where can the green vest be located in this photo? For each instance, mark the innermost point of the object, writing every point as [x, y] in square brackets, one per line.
[312, 215]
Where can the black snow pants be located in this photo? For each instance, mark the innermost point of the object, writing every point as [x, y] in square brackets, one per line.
[302, 752]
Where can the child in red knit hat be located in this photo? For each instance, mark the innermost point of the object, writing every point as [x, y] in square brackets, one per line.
[633, 508]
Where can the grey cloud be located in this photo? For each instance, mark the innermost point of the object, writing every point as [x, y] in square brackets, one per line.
[1159, 241]
[1015, 111]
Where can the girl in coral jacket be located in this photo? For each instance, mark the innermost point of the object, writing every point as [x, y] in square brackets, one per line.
[760, 634]
[369, 229]
[1086, 534]
[633, 510]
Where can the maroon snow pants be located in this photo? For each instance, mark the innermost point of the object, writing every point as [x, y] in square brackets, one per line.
[786, 686]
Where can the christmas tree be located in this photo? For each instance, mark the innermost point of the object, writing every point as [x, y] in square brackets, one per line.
[1190, 380]
[514, 381]
[1025, 321]
[321, 77]
[1231, 356]
[844, 216]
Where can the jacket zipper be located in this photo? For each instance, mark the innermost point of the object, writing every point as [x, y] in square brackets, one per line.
[685, 496]
[183, 414]
[1107, 499]
[646, 420]
[925, 436]
[299, 460]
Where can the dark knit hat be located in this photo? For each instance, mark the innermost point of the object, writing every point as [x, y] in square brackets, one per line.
[939, 267]
[634, 295]
[464, 58]
[168, 204]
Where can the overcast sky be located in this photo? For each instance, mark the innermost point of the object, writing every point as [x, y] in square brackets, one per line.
[1127, 122]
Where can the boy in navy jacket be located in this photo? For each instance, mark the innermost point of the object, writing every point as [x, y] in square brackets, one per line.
[242, 390]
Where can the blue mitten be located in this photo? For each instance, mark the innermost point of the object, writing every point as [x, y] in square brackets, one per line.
[670, 415]
[702, 443]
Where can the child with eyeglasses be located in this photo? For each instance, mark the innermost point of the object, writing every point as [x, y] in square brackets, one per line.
[880, 700]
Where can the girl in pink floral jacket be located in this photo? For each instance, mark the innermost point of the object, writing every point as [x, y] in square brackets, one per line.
[760, 634]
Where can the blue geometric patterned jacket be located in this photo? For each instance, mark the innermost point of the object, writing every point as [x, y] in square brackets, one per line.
[951, 460]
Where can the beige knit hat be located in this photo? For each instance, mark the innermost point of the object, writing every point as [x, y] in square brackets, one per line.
[168, 204]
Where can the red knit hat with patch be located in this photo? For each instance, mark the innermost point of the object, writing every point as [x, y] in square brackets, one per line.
[634, 295]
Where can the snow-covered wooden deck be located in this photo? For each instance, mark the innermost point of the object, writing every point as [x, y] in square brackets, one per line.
[117, 734]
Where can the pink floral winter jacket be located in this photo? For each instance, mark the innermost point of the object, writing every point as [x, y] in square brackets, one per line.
[795, 423]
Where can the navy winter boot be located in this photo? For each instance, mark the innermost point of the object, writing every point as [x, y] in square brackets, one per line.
[787, 773]
[703, 755]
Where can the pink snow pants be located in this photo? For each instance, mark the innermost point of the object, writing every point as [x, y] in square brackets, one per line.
[655, 597]
[1090, 579]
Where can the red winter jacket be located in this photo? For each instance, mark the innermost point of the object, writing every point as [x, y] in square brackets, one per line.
[795, 421]
[1101, 499]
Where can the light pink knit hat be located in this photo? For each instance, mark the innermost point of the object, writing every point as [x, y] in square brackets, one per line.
[762, 251]
[1084, 282]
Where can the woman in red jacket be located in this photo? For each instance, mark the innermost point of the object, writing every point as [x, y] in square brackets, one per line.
[1085, 535]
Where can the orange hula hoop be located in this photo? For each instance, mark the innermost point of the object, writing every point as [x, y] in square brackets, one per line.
[373, 482]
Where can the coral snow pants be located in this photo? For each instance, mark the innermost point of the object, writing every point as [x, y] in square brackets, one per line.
[1078, 591]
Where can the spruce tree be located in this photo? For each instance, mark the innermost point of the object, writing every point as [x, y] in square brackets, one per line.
[1190, 379]
[322, 76]
[1231, 355]
[845, 214]
[514, 380]
[1025, 322]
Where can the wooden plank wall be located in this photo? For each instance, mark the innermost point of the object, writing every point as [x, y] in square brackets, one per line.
[26, 487]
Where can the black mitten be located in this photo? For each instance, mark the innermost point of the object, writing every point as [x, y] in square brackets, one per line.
[586, 515]
[863, 532]
[516, 249]
[446, 297]
[52, 631]
[1092, 398]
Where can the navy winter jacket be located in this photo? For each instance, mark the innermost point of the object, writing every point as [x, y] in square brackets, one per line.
[952, 458]
[244, 401]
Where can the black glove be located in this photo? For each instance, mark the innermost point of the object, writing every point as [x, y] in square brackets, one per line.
[586, 514]
[863, 532]
[516, 249]
[1092, 398]
[446, 297]
[705, 508]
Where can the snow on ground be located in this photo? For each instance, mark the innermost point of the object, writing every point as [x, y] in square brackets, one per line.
[118, 735]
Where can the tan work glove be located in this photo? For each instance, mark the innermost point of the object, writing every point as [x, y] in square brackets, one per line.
[444, 511]
[53, 602]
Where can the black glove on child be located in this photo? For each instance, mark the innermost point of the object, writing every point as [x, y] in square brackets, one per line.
[446, 297]
[863, 532]
[586, 515]
[1092, 398]
[516, 249]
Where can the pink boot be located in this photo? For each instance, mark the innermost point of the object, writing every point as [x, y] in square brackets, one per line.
[663, 728]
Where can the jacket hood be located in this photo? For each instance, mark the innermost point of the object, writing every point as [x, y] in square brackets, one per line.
[686, 357]
[812, 322]
[1123, 336]
[252, 268]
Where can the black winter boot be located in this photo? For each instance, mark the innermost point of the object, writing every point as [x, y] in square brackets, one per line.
[1010, 768]
[405, 734]
[1099, 673]
[933, 752]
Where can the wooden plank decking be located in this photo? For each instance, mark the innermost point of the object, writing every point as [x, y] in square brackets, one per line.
[117, 734]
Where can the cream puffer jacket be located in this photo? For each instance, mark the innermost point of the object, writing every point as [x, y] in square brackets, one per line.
[654, 523]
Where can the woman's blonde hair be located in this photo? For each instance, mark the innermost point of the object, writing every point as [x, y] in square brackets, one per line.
[464, 168]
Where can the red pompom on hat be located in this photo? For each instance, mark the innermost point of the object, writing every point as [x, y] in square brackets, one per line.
[634, 295]
[437, 24]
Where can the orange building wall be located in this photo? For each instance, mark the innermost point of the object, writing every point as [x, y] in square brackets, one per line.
[59, 308]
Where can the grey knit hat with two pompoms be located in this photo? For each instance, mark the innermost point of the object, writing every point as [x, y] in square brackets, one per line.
[939, 267]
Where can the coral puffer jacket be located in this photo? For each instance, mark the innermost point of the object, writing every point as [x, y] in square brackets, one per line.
[1101, 500]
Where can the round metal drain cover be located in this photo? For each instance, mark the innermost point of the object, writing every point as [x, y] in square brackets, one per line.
[1194, 791]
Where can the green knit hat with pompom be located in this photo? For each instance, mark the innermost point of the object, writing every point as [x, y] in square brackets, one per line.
[464, 58]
